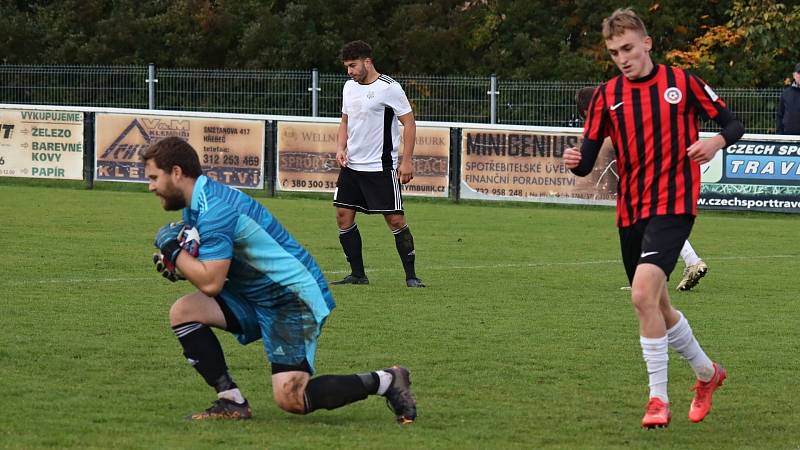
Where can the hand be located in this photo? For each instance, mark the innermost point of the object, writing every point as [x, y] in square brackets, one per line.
[703, 151]
[571, 157]
[341, 157]
[167, 241]
[405, 172]
[166, 269]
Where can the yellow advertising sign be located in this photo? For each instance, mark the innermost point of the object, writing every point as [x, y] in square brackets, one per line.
[41, 144]
[524, 165]
[307, 159]
[231, 151]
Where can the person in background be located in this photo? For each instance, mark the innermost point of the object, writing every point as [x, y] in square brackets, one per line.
[789, 106]
[367, 150]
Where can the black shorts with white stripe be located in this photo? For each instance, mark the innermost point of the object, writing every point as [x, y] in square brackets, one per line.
[368, 192]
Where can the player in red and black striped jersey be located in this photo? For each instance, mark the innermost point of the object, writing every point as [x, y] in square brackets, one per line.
[695, 268]
[653, 121]
[651, 113]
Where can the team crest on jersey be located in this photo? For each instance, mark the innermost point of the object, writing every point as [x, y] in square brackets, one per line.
[673, 95]
[370, 94]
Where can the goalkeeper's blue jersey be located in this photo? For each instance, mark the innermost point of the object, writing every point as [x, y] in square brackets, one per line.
[267, 263]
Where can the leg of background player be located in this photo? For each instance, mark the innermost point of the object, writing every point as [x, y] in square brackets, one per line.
[404, 242]
[695, 268]
[688, 254]
[350, 238]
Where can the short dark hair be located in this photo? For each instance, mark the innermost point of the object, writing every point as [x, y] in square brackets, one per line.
[174, 151]
[621, 20]
[582, 99]
[355, 50]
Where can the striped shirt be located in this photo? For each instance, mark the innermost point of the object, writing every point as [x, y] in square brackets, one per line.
[651, 122]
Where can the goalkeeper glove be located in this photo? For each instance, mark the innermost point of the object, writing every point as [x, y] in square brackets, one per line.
[167, 270]
[167, 242]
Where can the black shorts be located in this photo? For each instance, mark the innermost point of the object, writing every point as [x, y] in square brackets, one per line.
[656, 240]
[368, 192]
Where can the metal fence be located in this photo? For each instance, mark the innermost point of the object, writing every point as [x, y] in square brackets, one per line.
[434, 98]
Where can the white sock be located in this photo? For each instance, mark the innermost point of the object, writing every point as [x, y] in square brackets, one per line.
[233, 395]
[386, 380]
[682, 340]
[656, 356]
[690, 258]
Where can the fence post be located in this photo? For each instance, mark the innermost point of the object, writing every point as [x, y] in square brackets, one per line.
[151, 86]
[270, 168]
[493, 99]
[455, 165]
[88, 149]
[314, 92]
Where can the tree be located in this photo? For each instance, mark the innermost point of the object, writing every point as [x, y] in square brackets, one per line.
[515, 39]
[755, 48]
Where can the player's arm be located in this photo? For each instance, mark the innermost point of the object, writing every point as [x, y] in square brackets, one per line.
[711, 106]
[581, 162]
[704, 150]
[341, 142]
[174, 262]
[406, 169]
[779, 116]
[207, 276]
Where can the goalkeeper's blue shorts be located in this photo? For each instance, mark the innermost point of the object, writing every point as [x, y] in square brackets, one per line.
[287, 326]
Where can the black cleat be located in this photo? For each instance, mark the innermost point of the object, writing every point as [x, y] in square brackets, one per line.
[399, 397]
[352, 279]
[224, 409]
[415, 283]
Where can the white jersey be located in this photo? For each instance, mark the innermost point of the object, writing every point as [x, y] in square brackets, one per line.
[373, 131]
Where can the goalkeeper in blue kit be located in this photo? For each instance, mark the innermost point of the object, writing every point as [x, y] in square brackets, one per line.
[256, 281]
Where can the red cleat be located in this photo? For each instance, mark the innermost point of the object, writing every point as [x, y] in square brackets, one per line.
[657, 414]
[701, 404]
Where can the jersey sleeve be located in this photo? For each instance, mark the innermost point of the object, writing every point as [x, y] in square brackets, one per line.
[595, 128]
[397, 100]
[345, 109]
[217, 227]
[703, 97]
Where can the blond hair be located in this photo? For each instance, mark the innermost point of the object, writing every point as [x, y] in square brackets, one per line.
[621, 20]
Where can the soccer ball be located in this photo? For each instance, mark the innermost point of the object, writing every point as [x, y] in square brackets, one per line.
[189, 240]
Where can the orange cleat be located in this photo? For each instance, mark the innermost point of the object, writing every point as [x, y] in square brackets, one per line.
[657, 414]
[701, 404]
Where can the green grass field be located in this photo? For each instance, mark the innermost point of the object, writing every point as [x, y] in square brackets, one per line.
[523, 338]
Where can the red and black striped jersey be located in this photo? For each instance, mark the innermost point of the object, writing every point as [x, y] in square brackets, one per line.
[651, 122]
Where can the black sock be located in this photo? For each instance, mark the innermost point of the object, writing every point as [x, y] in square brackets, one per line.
[351, 244]
[201, 348]
[405, 248]
[334, 391]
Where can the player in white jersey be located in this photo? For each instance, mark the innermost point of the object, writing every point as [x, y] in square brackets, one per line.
[367, 151]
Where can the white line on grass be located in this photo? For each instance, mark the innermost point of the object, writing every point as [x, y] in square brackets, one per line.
[426, 268]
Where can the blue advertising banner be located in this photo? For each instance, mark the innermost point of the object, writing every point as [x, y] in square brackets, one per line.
[759, 174]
